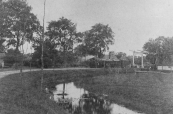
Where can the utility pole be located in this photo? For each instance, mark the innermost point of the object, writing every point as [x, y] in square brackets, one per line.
[42, 43]
[21, 63]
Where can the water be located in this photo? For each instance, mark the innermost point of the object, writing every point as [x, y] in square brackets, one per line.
[80, 101]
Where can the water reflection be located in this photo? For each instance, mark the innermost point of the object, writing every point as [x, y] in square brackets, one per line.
[79, 101]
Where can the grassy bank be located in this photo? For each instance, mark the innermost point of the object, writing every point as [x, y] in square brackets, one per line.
[22, 95]
[151, 93]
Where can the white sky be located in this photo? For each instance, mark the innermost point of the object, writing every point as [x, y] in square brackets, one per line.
[133, 21]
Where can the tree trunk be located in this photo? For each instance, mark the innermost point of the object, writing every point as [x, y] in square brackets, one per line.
[65, 62]
[21, 65]
[100, 53]
[18, 43]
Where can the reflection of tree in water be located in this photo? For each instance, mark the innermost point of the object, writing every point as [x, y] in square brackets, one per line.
[78, 110]
[94, 104]
[89, 104]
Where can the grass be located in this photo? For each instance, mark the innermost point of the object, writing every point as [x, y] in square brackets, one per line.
[13, 69]
[22, 95]
[151, 93]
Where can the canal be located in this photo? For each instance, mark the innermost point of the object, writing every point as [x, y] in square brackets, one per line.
[77, 100]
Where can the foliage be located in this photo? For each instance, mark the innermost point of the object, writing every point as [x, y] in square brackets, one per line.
[160, 49]
[2, 46]
[17, 23]
[46, 54]
[120, 54]
[63, 35]
[51, 56]
[97, 40]
[81, 50]
[12, 57]
[27, 60]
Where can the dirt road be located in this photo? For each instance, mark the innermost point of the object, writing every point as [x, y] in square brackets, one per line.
[5, 73]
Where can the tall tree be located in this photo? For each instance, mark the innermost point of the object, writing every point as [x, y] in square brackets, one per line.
[151, 46]
[17, 23]
[159, 49]
[63, 34]
[98, 39]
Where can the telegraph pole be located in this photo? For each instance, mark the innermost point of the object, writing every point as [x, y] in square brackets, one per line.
[42, 43]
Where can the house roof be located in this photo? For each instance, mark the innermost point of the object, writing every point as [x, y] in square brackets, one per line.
[110, 58]
[123, 58]
[87, 57]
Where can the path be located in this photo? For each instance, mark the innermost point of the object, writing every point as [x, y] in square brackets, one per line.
[5, 73]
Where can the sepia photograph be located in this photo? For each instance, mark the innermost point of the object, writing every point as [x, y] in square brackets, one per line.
[86, 56]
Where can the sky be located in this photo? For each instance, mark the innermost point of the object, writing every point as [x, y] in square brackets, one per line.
[133, 22]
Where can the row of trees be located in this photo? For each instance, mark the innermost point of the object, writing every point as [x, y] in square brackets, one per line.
[19, 25]
[62, 37]
[63, 43]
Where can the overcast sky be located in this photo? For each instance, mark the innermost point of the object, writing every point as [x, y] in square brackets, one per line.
[133, 21]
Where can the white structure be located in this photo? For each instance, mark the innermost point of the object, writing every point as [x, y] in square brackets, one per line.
[165, 68]
[142, 58]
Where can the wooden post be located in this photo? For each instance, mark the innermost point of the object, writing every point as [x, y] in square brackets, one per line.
[63, 90]
[42, 43]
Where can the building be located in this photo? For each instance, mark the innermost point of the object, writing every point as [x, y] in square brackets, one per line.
[86, 58]
[111, 60]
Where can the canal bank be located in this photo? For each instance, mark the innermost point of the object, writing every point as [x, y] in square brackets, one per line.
[144, 93]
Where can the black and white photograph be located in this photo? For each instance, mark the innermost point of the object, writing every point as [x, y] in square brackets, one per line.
[86, 56]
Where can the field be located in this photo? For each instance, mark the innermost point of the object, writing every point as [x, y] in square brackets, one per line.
[151, 93]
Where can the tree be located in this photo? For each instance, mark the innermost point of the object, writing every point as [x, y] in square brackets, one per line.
[2, 46]
[12, 58]
[63, 34]
[52, 57]
[98, 39]
[120, 54]
[160, 49]
[81, 50]
[49, 54]
[17, 23]
[151, 46]
[167, 49]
